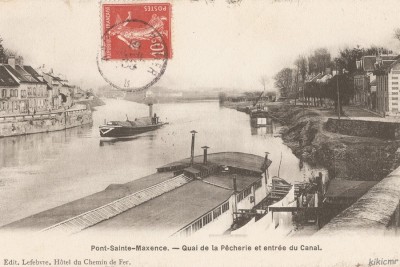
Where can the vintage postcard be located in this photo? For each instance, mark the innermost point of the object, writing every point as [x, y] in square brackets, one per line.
[199, 133]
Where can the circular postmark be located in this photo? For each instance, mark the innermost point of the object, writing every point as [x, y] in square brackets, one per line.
[134, 65]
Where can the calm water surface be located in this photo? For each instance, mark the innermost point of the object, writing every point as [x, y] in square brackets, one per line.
[42, 171]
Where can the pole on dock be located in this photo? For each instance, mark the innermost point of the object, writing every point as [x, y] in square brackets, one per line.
[193, 132]
[234, 195]
[205, 154]
[266, 168]
[150, 110]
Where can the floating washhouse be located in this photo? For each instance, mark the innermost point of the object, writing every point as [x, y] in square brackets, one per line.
[200, 194]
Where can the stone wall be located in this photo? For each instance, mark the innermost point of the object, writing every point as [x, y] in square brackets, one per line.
[39, 123]
[378, 129]
[377, 211]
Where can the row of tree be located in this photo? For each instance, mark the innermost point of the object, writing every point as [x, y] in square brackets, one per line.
[293, 82]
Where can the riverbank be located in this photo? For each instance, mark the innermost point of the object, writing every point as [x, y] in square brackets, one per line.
[94, 102]
[346, 157]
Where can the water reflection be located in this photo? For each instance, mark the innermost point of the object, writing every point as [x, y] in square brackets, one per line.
[264, 130]
[112, 141]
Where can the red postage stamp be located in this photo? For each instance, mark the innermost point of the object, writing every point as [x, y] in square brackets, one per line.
[136, 31]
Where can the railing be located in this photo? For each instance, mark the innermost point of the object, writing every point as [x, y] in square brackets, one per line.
[92, 217]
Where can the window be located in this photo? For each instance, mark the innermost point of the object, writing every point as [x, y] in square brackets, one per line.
[395, 78]
[395, 93]
[4, 93]
[239, 197]
[394, 104]
[395, 82]
[247, 192]
[225, 207]
[197, 225]
[207, 218]
[217, 212]
[395, 98]
[187, 231]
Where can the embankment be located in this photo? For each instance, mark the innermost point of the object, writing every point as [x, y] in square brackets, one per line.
[39, 123]
[344, 156]
[364, 128]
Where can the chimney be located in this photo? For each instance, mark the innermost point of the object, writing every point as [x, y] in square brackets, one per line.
[20, 61]
[205, 154]
[192, 150]
[150, 110]
[11, 62]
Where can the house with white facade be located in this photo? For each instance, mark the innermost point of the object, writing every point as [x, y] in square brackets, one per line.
[387, 87]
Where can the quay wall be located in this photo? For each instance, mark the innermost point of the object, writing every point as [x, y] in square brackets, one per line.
[29, 124]
[377, 211]
[378, 129]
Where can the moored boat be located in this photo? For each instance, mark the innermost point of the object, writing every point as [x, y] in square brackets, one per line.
[128, 127]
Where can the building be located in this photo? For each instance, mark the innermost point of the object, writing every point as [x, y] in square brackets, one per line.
[365, 79]
[362, 93]
[30, 95]
[387, 87]
[60, 90]
[9, 92]
[199, 196]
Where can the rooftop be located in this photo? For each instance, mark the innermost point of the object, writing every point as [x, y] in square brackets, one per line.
[26, 75]
[225, 181]
[112, 192]
[369, 63]
[340, 188]
[6, 78]
[19, 73]
[170, 211]
[32, 72]
[232, 159]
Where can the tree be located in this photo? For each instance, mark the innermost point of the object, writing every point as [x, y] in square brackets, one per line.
[301, 64]
[348, 57]
[283, 81]
[2, 52]
[397, 34]
[301, 67]
[319, 61]
[376, 50]
[344, 83]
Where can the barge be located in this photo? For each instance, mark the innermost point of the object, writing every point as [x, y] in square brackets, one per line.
[199, 195]
[129, 128]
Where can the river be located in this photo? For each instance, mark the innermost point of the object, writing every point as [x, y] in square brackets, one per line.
[42, 171]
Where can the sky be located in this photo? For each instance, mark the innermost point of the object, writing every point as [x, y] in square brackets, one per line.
[215, 45]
